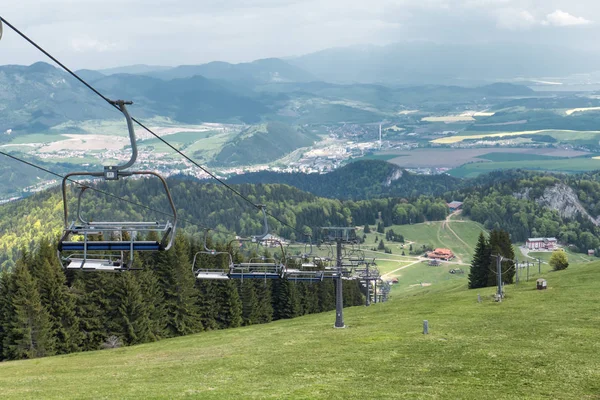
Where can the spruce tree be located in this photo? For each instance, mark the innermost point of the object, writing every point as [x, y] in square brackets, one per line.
[134, 322]
[478, 275]
[174, 271]
[264, 294]
[249, 302]
[29, 331]
[206, 303]
[229, 313]
[285, 300]
[154, 299]
[57, 298]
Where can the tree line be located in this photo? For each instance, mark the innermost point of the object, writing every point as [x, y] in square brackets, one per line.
[45, 310]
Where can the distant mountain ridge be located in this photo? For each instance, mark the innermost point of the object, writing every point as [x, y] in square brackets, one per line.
[424, 62]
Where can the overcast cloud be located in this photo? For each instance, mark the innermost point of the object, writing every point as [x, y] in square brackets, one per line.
[106, 33]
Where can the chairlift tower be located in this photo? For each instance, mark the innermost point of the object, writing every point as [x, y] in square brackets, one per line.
[341, 235]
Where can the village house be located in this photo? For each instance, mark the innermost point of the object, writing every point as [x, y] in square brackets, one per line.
[541, 243]
[455, 205]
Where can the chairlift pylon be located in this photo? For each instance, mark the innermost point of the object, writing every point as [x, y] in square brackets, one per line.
[109, 255]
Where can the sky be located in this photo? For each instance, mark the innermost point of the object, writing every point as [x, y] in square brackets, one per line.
[99, 34]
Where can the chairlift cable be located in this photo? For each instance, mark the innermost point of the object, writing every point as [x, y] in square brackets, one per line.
[105, 192]
[73, 74]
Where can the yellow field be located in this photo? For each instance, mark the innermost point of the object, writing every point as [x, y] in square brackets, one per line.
[574, 110]
[449, 118]
[458, 139]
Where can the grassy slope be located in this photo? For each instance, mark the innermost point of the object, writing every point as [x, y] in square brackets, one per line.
[536, 344]
[436, 234]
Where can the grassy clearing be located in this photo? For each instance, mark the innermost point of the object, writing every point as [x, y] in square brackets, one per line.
[535, 344]
[436, 234]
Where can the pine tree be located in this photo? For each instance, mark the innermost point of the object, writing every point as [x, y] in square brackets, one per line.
[285, 300]
[134, 322]
[264, 294]
[229, 305]
[174, 272]
[367, 229]
[326, 295]
[478, 275]
[57, 298]
[29, 332]
[249, 302]
[6, 308]
[154, 299]
[206, 302]
[94, 307]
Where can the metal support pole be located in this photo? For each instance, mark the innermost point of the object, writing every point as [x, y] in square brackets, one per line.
[499, 277]
[425, 327]
[339, 298]
[375, 291]
[527, 271]
[368, 299]
[517, 271]
[539, 265]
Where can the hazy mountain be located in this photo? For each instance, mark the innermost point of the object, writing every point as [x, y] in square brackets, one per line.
[259, 71]
[411, 63]
[134, 69]
[37, 97]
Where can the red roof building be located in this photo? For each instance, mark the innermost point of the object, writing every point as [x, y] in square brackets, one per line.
[441, 254]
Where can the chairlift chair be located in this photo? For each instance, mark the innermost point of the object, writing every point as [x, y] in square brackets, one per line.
[211, 273]
[260, 267]
[77, 234]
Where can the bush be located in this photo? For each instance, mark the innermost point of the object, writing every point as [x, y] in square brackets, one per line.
[559, 260]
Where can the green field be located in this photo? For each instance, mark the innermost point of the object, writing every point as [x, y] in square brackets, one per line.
[569, 165]
[535, 344]
[436, 234]
[502, 157]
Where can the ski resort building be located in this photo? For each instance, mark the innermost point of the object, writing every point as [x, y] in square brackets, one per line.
[441, 254]
[455, 205]
[541, 243]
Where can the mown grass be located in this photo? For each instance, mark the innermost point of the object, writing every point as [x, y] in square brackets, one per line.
[535, 344]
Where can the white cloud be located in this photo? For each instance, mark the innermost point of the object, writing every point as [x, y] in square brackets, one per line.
[561, 18]
[87, 44]
[515, 19]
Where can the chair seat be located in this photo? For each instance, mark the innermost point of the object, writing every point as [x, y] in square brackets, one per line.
[110, 245]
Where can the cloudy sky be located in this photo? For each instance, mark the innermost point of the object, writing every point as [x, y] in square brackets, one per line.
[107, 33]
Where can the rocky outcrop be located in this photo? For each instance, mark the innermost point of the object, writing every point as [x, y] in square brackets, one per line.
[563, 199]
[397, 174]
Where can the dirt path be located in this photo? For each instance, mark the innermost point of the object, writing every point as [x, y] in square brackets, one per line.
[447, 222]
[401, 268]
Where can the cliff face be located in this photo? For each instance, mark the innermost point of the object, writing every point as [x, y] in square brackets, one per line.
[563, 199]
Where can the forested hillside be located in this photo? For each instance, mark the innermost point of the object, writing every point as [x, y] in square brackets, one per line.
[204, 205]
[360, 180]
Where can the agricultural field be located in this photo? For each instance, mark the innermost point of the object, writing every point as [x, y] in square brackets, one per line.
[565, 135]
[566, 165]
[534, 344]
[452, 158]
